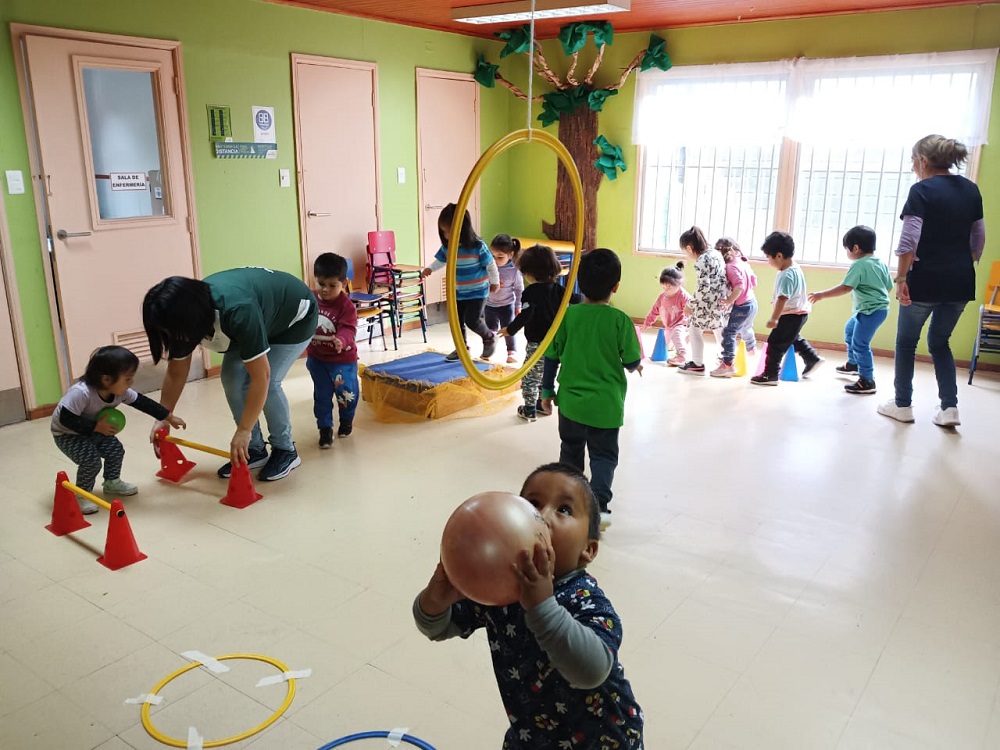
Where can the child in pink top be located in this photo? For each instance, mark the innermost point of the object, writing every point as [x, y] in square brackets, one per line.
[742, 281]
[669, 307]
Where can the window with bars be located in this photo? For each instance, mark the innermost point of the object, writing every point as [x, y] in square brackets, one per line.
[818, 146]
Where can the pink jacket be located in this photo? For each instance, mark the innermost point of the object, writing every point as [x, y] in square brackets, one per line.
[670, 309]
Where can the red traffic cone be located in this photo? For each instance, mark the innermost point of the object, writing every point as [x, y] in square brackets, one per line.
[241, 492]
[120, 549]
[66, 514]
[173, 466]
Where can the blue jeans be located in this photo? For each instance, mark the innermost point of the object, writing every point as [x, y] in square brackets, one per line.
[236, 382]
[858, 333]
[944, 317]
[740, 322]
[331, 381]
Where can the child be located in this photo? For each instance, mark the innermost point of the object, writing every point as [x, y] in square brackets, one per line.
[791, 309]
[476, 277]
[869, 282]
[107, 382]
[503, 304]
[332, 355]
[743, 302]
[707, 311]
[540, 268]
[594, 343]
[555, 652]
[671, 308]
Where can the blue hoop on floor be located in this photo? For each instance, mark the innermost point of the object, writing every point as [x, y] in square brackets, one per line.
[415, 741]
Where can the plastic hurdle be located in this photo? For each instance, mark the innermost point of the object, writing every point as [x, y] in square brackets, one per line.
[120, 549]
[174, 467]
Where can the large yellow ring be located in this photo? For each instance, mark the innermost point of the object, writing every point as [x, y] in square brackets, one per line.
[156, 734]
[511, 139]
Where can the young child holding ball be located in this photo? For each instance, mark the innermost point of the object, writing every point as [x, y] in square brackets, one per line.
[87, 436]
[555, 652]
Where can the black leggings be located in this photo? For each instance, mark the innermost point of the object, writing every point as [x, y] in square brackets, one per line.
[470, 313]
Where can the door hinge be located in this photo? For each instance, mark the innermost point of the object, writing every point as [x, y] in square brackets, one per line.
[190, 225]
[177, 85]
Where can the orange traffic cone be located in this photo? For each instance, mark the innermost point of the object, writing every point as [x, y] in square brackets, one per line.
[66, 515]
[173, 465]
[241, 492]
[741, 360]
[120, 549]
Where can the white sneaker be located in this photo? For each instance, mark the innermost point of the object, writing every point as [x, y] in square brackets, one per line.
[119, 488]
[899, 413]
[947, 417]
[605, 519]
[86, 507]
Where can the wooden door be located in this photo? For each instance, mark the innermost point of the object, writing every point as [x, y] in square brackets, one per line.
[336, 128]
[114, 185]
[448, 148]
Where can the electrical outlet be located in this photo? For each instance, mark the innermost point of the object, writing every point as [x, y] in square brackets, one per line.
[284, 178]
[400, 175]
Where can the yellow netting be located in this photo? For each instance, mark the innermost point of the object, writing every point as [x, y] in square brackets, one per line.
[394, 399]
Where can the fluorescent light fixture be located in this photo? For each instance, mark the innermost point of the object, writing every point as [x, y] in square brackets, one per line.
[520, 10]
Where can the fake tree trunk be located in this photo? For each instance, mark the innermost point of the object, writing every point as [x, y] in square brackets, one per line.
[577, 131]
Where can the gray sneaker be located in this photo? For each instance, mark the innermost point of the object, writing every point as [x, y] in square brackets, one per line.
[119, 488]
[86, 507]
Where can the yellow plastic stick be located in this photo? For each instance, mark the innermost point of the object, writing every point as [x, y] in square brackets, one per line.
[197, 446]
[525, 135]
[90, 496]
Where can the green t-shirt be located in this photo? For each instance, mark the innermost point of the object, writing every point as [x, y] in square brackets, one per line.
[593, 345]
[869, 278]
[257, 307]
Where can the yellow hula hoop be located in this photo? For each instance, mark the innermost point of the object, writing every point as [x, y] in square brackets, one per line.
[511, 139]
[157, 735]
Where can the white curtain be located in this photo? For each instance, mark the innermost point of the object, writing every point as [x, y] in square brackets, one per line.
[859, 101]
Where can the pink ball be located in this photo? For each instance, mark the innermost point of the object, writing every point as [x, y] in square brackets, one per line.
[482, 540]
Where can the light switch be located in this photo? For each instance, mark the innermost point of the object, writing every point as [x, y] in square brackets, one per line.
[401, 175]
[284, 178]
[15, 182]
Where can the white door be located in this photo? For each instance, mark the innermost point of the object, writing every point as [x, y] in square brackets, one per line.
[113, 184]
[336, 129]
[448, 148]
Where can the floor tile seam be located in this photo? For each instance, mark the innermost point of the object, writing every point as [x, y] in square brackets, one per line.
[875, 666]
[84, 711]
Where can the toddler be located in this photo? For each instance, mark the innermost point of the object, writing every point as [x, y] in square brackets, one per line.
[503, 304]
[706, 309]
[743, 302]
[670, 307]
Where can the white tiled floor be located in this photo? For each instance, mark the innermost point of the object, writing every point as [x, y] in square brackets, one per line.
[792, 571]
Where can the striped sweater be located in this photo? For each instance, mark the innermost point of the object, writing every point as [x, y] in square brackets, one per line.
[475, 272]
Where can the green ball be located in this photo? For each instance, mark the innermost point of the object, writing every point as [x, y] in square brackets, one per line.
[114, 417]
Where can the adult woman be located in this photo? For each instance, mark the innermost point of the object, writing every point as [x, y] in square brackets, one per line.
[261, 320]
[943, 233]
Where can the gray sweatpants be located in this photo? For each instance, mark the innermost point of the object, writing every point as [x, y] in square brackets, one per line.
[87, 452]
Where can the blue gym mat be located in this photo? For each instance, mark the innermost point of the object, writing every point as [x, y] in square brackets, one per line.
[428, 368]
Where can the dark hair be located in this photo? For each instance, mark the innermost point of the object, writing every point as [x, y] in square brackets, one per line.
[507, 244]
[941, 152]
[729, 248]
[862, 236]
[600, 271]
[778, 242]
[467, 238]
[330, 266]
[540, 263]
[594, 527]
[110, 361]
[177, 314]
[694, 239]
[673, 275]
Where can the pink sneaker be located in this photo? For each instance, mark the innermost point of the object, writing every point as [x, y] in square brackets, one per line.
[723, 371]
[511, 359]
[676, 361]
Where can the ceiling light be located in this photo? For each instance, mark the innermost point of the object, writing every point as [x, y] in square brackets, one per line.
[520, 10]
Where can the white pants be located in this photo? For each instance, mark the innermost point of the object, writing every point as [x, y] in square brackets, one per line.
[698, 343]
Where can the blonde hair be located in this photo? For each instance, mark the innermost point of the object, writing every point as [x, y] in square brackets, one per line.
[940, 152]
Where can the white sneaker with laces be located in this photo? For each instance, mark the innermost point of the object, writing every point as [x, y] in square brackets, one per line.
[947, 417]
[899, 413]
[119, 488]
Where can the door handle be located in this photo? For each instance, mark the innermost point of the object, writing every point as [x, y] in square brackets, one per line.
[429, 207]
[316, 213]
[63, 234]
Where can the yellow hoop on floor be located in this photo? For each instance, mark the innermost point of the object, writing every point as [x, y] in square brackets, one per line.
[525, 135]
[157, 735]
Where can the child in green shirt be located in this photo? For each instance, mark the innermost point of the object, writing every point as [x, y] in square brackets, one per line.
[869, 282]
[595, 343]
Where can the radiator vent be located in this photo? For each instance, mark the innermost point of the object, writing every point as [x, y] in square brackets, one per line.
[136, 342]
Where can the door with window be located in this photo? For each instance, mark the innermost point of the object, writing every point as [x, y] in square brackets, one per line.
[112, 183]
[448, 148]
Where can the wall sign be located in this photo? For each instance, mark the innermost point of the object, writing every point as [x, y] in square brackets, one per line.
[263, 125]
[220, 123]
[238, 150]
[128, 180]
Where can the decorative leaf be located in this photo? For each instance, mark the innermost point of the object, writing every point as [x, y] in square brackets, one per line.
[486, 73]
[573, 36]
[557, 103]
[610, 160]
[518, 41]
[597, 98]
[656, 55]
[604, 33]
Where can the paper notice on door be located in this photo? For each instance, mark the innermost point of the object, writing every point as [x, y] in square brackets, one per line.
[128, 180]
[263, 125]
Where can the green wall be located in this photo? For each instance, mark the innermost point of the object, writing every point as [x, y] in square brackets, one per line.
[936, 30]
[236, 52]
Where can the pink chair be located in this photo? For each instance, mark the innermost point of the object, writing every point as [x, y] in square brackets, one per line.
[402, 284]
